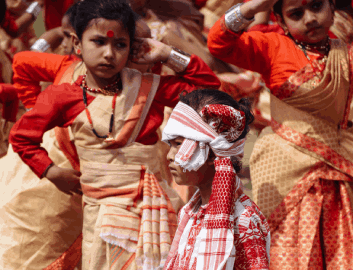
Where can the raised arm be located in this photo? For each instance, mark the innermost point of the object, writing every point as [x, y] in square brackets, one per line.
[30, 68]
[192, 72]
[228, 42]
[196, 75]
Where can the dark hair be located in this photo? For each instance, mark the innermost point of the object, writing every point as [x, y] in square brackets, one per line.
[344, 5]
[277, 8]
[200, 98]
[118, 10]
[3, 8]
[72, 13]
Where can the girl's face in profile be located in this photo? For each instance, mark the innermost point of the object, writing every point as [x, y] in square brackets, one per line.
[67, 29]
[187, 178]
[105, 48]
[308, 20]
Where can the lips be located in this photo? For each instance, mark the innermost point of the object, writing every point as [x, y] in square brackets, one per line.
[313, 29]
[107, 66]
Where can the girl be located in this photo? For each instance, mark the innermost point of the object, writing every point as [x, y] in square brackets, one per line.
[114, 113]
[220, 227]
[301, 166]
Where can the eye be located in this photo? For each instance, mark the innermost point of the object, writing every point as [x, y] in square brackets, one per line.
[296, 15]
[316, 6]
[121, 45]
[98, 41]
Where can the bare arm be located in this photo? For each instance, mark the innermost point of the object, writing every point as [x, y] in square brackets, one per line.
[53, 37]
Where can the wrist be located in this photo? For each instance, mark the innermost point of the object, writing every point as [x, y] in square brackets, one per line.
[40, 45]
[235, 20]
[34, 9]
[46, 172]
[166, 53]
[177, 60]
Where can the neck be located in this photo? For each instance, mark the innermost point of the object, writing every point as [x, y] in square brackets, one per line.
[96, 82]
[206, 188]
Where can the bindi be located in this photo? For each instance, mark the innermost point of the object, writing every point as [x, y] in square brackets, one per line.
[110, 33]
[304, 2]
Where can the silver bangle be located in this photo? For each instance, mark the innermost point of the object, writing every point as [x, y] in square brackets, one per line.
[34, 9]
[40, 45]
[235, 21]
[178, 60]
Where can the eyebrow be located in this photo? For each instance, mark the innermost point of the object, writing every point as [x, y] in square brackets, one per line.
[105, 37]
[290, 10]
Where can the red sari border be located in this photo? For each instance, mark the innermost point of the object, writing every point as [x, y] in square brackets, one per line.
[70, 258]
[314, 146]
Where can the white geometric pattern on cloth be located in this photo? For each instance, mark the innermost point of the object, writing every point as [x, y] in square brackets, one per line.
[227, 125]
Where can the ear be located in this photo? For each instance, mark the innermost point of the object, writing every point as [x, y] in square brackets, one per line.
[76, 43]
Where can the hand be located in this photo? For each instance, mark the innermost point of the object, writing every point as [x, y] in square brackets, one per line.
[249, 9]
[142, 29]
[40, 2]
[66, 180]
[149, 51]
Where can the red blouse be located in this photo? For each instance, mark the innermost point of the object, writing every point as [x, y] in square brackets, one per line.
[59, 105]
[9, 99]
[30, 68]
[276, 57]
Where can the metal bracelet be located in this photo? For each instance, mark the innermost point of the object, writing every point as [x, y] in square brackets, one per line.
[40, 45]
[235, 21]
[34, 9]
[178, 60]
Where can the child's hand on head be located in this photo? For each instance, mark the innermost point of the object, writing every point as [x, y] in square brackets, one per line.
[149, 51]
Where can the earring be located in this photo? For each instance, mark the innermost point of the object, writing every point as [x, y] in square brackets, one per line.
[78, 51]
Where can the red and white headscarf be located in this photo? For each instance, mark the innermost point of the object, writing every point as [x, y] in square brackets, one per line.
[216, 127]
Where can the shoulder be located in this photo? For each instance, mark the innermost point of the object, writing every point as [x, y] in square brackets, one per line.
[29, 57]
[248, 214]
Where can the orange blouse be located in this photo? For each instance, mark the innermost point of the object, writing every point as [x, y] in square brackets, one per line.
[276, 57]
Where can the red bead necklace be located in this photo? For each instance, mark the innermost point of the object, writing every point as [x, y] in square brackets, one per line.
[110, 89]
[108, 137]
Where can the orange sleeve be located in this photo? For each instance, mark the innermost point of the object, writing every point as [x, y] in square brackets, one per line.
[276, 57]
[250, 51]
[30, 68]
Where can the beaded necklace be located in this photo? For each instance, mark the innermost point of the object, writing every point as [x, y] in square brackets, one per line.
[108, 137]
[304, 47]
[109, 90]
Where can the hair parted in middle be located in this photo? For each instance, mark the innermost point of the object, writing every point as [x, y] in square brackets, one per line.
[118, 10]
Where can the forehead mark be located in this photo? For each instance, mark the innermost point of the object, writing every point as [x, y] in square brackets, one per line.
[110, 33]
[304, 2]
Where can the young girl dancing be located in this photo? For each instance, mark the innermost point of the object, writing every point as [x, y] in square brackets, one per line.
[220, 227]
[301, 166]
[114, 113]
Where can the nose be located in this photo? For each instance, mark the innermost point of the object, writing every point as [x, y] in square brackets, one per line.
[108, 52]
[171, 154]
[309, 18]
